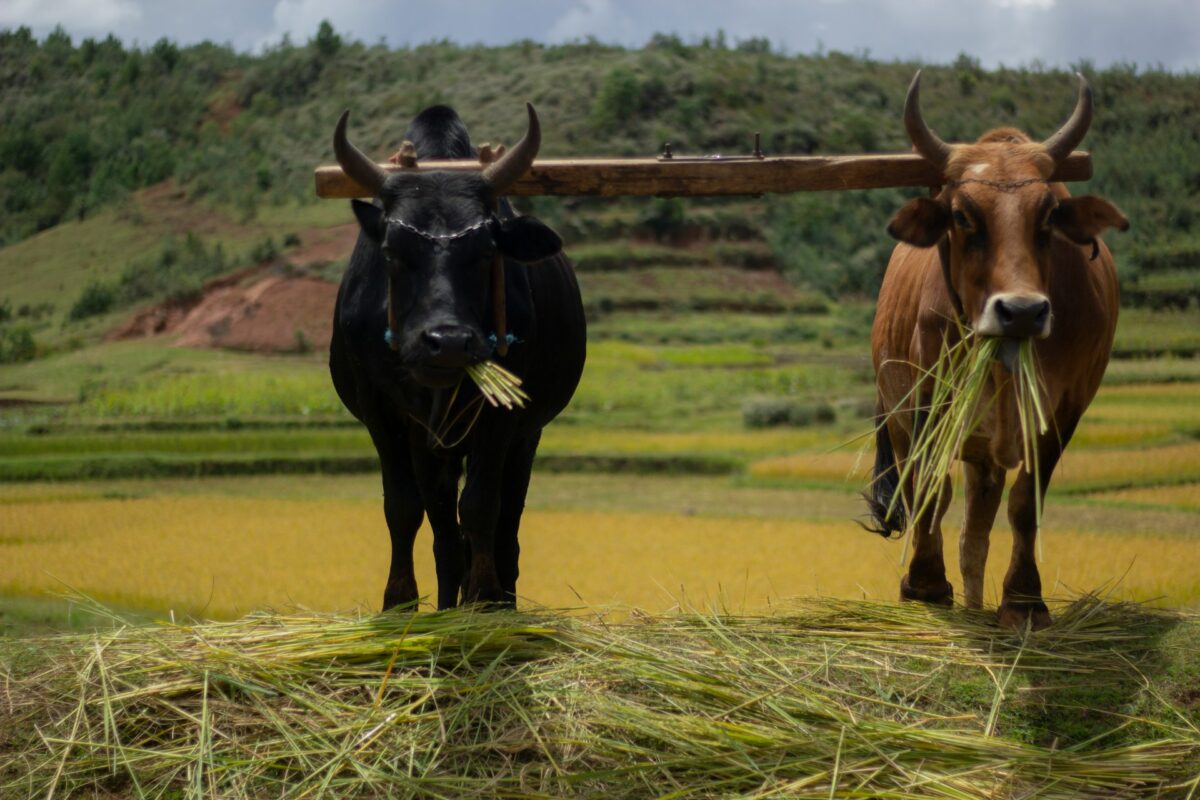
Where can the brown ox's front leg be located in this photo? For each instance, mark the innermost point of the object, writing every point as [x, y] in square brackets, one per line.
[1022, 603]
[984, 488]
[926, 578]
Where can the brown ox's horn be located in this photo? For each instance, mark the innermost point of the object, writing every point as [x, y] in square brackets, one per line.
[353, 161]
[1071, 134]
[926, 141]
[504, 172]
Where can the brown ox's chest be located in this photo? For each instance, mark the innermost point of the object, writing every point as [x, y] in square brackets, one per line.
[915, 315]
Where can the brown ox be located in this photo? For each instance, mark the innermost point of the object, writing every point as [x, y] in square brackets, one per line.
[1011, 255]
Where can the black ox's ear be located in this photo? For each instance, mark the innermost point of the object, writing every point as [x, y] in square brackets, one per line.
[1082, 219]
[370, 219]
[527, 239]
[921, 222]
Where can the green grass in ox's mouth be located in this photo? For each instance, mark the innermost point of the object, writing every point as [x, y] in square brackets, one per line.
[498, 386]
[957, 393]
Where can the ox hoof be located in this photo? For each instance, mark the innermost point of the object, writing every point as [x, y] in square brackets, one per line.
[488, 598]
[404, 595]
[1016, 614]
[938, 594]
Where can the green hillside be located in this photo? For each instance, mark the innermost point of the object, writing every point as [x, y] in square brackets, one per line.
[84, 123]
[130, 177]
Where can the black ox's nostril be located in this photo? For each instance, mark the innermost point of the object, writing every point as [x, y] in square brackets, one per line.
[448, 346]
[433, 341]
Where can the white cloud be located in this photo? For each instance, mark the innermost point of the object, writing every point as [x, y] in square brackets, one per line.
[1026, 5]
[1012, 32]
[89, 16]
[299, 19]
[599, 18]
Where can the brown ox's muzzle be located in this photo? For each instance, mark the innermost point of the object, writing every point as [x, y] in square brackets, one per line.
[1015, 316]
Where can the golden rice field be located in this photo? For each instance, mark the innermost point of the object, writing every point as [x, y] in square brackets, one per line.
[223, 547]
[1079, 469]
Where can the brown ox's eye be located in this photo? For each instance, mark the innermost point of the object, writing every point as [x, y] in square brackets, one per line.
[1048, 217]
[963, 221]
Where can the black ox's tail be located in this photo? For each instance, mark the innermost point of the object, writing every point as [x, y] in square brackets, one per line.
[887, 516]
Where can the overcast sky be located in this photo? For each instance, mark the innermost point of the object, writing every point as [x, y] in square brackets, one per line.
[1012, 32]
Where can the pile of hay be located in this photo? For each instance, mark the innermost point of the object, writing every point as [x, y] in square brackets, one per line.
[825, 699]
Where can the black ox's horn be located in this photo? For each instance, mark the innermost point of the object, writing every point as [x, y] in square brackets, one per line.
[1071, 134]
[504, 172]
[926, 141]
[354, 162]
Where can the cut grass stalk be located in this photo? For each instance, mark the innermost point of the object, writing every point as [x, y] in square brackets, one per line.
[950, 400]
[498, 386]
[826, 698]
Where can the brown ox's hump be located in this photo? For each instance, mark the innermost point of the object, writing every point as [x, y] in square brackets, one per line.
[1007, 135]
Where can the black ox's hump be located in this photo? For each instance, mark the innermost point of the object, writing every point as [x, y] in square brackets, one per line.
[438, 132]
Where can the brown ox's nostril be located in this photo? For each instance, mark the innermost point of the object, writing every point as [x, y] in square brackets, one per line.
[1043, 314]
[1004, 312]
[1022, 316]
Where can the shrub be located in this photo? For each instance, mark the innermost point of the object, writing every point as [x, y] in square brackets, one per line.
[774, 412]
[17, 345]
[265, 251]
[96, 299]
[618, 100]
[665, 217]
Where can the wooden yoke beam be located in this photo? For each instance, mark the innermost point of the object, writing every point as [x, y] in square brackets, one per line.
[681, 177]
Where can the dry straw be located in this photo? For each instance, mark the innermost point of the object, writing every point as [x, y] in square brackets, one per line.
[498, 386]
[956, 394]
[827, 699]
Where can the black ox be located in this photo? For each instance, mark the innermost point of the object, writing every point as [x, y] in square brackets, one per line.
[415, 308]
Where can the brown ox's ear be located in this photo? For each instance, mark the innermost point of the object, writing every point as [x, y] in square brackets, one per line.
[921, 222]
[1082, 219]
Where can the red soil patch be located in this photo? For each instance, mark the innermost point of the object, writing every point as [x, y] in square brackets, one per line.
[261, 308]
[253, 310]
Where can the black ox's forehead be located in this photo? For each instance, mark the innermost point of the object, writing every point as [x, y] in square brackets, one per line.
[437, 202]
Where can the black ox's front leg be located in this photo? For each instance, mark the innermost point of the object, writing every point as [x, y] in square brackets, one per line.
[479, 512]
[402, 508]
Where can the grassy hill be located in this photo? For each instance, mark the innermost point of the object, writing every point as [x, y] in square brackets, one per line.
[86, 123]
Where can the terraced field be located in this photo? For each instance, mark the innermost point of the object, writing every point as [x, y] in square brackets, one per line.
[713, 452]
